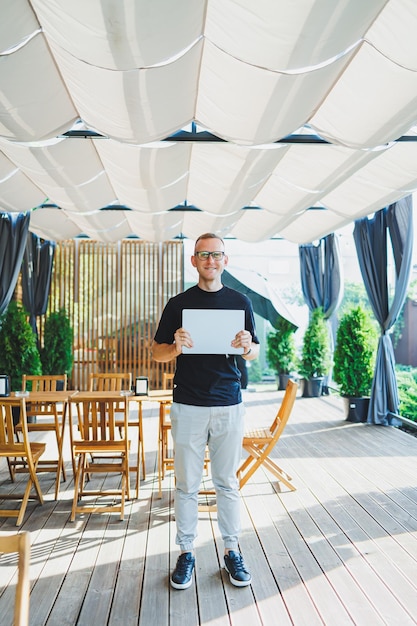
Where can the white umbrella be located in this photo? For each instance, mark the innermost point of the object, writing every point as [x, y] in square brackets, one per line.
[265, 300]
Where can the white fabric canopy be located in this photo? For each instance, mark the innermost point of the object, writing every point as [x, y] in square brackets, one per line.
[267, 79]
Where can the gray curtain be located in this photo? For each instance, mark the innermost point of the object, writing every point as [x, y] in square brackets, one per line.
[321, 274]
[371, 238]
[321, 281]
[36, 276]
[13, 235]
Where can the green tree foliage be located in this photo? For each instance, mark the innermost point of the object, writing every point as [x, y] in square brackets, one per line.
[355, 351]
[354, 294]
[407, 390]
[316, 354]
[57, 352]
[254, 371]
[399, 324]
[19, 352]
[280, 351]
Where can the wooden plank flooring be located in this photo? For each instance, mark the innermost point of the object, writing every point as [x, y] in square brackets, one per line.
[341, 549]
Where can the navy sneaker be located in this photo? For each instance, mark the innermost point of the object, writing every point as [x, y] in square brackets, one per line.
[235, 565]
[182, 575]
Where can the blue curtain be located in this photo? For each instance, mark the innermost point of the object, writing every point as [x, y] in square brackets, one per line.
[36, 276]
[321, 275]
[321, 281]
[371, 239]
[14, 229]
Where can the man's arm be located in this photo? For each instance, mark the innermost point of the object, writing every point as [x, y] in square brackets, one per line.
[163, 352]
[252, 353]
[244, 340]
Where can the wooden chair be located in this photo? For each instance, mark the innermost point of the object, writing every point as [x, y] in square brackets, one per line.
[259, 443]
[21, 456]
[165, 453]
[116, 381]
[167, 380]
[103, 448]
[20, 543]
[165, 449]
[44, 417]
[110, 381]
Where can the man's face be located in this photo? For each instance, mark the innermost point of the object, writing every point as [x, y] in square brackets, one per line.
[208, 266]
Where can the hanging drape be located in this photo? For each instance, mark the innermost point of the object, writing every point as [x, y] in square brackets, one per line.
[321, 281]
[13, 235]
[371, 238]
[36, 276]
[321, 274]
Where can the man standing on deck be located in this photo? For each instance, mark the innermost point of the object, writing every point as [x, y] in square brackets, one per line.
[207, 409]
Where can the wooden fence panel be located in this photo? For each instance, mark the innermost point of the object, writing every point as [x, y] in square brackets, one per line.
[114, 294]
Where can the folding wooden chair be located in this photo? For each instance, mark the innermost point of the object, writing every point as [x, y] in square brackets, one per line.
[110, 381]
[21, 456]
[103, 448]
[20, 543]
[44, 417]
[165, 446]
[167, 380]
[165, 454]
[259, 443]
[120, 381]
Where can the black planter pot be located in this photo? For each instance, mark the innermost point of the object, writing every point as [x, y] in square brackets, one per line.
[16, 415]
[282, 380]
[356, 409]
[313, 387]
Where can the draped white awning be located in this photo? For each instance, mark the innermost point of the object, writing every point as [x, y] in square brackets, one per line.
[296, 111]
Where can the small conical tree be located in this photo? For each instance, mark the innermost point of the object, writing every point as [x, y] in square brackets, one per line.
[280, 350]
[355, 352]
[58, 338]
[19, 352]
[316, 353]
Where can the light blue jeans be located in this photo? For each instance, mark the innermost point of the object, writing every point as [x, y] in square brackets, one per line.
[221, 427]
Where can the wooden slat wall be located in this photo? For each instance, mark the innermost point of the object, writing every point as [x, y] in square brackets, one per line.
[114, 295]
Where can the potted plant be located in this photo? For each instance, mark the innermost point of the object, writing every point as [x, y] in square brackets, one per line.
[280, 351]
[19, 352]
[316, 354]
[58, 338]
[354, 361]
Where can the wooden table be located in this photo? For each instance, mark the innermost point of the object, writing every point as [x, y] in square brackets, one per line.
[48, 399]
[162, 396]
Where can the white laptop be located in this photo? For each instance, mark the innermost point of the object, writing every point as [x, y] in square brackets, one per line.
[213, 330]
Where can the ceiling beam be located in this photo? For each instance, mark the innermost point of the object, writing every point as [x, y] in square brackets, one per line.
[207, 137]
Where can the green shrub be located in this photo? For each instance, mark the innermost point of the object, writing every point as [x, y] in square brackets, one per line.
[316, 354]
[354, 355]
[19, 352]
[254, 371]
[407, 391]
[280, 351]
[58, 338]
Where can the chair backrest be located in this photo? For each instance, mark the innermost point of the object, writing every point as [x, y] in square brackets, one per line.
[99, 419]
[284, 410]
[20, 543]
[110, 381]
[45, 382]
[167, 380]
[9, 444]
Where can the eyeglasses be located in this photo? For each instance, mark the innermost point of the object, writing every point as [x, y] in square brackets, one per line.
[203, 255]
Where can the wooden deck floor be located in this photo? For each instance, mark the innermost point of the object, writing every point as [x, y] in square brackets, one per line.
[341, 549]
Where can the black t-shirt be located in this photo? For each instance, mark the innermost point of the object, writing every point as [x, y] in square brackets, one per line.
[205, 379]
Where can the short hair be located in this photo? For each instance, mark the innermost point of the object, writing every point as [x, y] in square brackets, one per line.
[208, 236]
